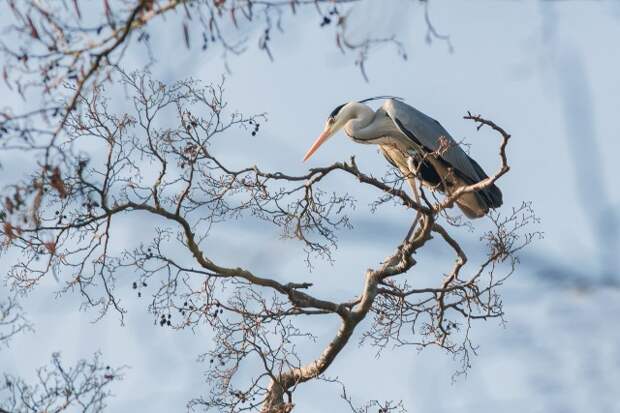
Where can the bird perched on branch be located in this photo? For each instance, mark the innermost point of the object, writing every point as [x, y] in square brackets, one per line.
[418, 146]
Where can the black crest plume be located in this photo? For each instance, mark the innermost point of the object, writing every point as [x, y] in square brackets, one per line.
[337, 109]
[380, 97]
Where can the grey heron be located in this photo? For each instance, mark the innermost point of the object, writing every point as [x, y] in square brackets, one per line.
[418, 146]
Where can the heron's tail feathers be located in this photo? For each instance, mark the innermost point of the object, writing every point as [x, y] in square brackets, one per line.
[473, 205]
[492, 194]
[477, 204]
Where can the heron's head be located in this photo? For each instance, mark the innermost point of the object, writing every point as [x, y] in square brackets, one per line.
[336, 120]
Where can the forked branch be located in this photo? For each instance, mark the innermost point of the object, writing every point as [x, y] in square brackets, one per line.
[157, 160]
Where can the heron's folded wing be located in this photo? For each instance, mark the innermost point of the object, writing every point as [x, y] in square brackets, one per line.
[427, 132]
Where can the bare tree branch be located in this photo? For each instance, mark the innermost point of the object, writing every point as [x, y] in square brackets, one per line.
[159, 160]
[12, 320]
[59, 388]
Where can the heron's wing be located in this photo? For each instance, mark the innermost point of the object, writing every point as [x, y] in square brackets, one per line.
[400, 160]
[388, 157]
[426, 132]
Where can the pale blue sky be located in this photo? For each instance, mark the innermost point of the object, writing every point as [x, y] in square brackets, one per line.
[547, 71]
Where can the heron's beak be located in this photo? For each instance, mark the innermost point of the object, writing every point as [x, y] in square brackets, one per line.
[325, 135]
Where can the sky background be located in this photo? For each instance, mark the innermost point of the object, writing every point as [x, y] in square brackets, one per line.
[546, 71]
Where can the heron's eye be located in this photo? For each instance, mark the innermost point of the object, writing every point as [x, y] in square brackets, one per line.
[330, 120]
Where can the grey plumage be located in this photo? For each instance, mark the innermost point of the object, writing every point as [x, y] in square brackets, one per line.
[418, 146]
[426, 134]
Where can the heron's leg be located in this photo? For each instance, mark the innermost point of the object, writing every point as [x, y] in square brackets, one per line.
[411, 180]
[394, 259]
[416, 196]
[399, 255]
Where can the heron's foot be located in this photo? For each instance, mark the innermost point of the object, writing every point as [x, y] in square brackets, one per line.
[392, 260]
[449, 204]
[398, 257]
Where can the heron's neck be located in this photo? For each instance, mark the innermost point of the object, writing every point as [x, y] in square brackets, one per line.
[361, 118]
